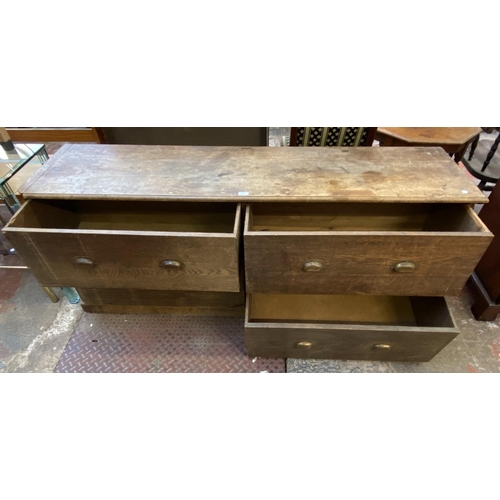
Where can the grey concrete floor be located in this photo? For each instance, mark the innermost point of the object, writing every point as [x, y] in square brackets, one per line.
[34, 331]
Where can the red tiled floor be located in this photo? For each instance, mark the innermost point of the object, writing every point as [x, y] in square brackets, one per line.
[117, 343]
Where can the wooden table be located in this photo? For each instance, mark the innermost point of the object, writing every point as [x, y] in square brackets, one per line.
[454, 140]
[342, 253]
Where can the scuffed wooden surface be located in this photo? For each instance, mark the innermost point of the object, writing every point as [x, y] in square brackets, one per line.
[431, 135]
[126, 172]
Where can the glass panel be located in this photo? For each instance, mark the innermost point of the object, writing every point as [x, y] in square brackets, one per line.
[13, 160]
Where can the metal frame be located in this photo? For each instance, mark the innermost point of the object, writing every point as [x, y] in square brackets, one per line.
[6, 194]
[12, 203]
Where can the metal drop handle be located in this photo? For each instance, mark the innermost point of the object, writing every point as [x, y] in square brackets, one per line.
[171, 264]
[85, 262]
[405, 267]
[312, 267]
[303, 344]
[382, 347]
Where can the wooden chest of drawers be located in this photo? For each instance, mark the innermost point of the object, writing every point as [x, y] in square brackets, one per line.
[333, 252]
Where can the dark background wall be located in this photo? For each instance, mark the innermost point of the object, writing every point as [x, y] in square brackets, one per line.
[189, 136]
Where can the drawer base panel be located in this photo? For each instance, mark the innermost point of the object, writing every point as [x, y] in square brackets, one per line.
[122, 301]
[199, 311]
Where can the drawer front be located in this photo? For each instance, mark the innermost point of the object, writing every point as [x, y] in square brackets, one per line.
[336, 342]
[139, 261]
[343, 262]
[347, 326]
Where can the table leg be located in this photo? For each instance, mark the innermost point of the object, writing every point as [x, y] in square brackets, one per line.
[460, 153]
[52, 295]
[43, 156]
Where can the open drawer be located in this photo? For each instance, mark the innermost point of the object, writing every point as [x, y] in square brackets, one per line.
[136, 244]
[361, 327]
[367, 248]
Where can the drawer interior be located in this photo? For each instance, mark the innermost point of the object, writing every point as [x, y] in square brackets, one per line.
[128, 216]
[431, 217]
[349, 309]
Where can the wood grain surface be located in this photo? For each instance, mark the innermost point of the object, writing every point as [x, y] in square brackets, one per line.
[453, 136]
[361, 262]
[131, 301]
[110, 258]
[137, 309]
[177, 298]
[357, 309]
[275, 340]
[350, 340]
[126, 172]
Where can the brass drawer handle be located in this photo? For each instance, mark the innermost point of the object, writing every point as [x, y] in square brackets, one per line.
[303, 344]
[85, 262]
[171, 264]
[312, 267]
[404, 267]
[382, 347]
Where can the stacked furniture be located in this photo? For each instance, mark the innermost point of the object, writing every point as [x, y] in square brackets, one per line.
[329, 252]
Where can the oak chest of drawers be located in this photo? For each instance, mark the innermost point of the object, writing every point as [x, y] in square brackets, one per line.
[328, 252]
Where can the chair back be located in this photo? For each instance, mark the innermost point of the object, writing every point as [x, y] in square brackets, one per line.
[332, 136]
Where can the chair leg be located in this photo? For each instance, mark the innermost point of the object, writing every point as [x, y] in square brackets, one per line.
[473, 147]
[491, 153]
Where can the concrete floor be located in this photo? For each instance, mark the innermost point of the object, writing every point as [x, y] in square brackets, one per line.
[34, 332]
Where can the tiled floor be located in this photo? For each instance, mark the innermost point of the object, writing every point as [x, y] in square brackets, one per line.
[37, 335]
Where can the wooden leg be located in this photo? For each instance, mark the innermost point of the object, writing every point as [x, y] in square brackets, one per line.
[483, 309]
[473, 147]
[5, 140]
[460, 153]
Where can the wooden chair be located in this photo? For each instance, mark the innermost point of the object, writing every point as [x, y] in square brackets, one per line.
[488, 181]
[332, 136]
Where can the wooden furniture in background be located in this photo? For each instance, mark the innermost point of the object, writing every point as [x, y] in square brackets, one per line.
[5, 140]
[454, 140]
[485, 282]
[348, 252]
[332, 136]
[68, 134]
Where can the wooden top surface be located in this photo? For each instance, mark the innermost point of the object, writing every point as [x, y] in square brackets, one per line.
[365, 174]
[431, 135]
